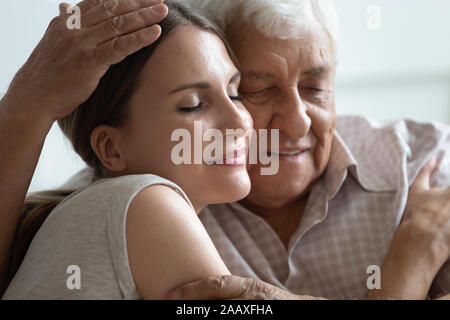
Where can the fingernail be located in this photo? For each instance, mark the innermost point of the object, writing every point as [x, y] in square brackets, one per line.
[160, 8]
[154, 29]
[432, 162]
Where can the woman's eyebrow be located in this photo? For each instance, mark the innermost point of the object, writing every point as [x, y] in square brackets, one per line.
[193, 85]
[201, 85]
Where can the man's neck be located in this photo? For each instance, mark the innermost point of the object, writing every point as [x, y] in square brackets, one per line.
[283, 220]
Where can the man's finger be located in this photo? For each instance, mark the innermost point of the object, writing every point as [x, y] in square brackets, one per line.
[86, 5]
[423, 180]
[220, 288]
[125, 24]
[116, 50]
[113, 8]
[63, 6]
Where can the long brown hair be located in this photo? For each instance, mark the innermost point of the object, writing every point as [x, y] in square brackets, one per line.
[106, 106]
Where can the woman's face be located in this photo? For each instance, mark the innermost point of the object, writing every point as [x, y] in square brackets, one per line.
[190, 77]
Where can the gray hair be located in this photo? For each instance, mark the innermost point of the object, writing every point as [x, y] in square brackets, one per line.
[284, 19]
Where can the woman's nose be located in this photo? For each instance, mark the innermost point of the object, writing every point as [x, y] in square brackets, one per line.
[235, 116]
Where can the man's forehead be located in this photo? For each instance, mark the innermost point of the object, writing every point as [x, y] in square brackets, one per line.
[312, 52]
[275, 65]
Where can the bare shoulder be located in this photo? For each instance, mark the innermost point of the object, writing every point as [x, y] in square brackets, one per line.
[167, 244]
[157, 199]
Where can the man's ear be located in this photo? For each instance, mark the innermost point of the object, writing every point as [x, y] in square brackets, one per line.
[105, 143]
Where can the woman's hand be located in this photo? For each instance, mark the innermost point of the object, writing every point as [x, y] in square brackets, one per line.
[421, 244]
[67, 64]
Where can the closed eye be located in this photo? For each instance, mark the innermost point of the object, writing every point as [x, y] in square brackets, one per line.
[192, 109]
[261, 96]
[236, 98]
[201, 105]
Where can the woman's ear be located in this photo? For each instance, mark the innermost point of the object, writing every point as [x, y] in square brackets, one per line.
[105, 143]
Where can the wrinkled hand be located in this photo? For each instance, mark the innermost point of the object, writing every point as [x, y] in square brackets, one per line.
[67, 64]
[427, 212]
[232, 288]
[420, 246]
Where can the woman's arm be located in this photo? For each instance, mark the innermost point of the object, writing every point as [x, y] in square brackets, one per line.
[167, 244]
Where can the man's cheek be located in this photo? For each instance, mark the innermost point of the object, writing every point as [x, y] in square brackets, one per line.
[261, 117]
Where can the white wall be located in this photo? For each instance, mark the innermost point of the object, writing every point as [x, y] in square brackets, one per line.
[22, 24]
[399, 71]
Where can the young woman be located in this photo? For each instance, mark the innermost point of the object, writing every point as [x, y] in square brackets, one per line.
[134, 232]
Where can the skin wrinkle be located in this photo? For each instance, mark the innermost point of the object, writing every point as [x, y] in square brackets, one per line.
[283, 63]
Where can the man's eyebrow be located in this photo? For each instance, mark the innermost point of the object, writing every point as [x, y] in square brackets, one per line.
[317, 71]
[255, 75]
[193, 85]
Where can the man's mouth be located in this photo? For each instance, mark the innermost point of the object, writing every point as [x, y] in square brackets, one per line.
[290, 153]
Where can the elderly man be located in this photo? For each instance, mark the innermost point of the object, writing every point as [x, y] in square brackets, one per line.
[330, 213]
[339, 195]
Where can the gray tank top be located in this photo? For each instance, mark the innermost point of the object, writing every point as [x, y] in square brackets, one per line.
[80, 251]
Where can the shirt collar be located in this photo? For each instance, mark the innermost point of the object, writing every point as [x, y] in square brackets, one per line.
[341, 159]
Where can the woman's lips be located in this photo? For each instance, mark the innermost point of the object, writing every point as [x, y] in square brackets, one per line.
[236, 158]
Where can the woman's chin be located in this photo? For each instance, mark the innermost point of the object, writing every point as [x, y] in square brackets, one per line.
[232, 189]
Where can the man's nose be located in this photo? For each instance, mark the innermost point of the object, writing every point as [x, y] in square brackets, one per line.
[291, 116]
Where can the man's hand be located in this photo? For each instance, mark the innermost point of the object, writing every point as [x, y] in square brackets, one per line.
[67, 64]
[427, 212]
[421, 244]
[232, 288]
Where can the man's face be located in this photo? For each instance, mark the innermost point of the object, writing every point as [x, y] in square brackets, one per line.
[288, 85]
